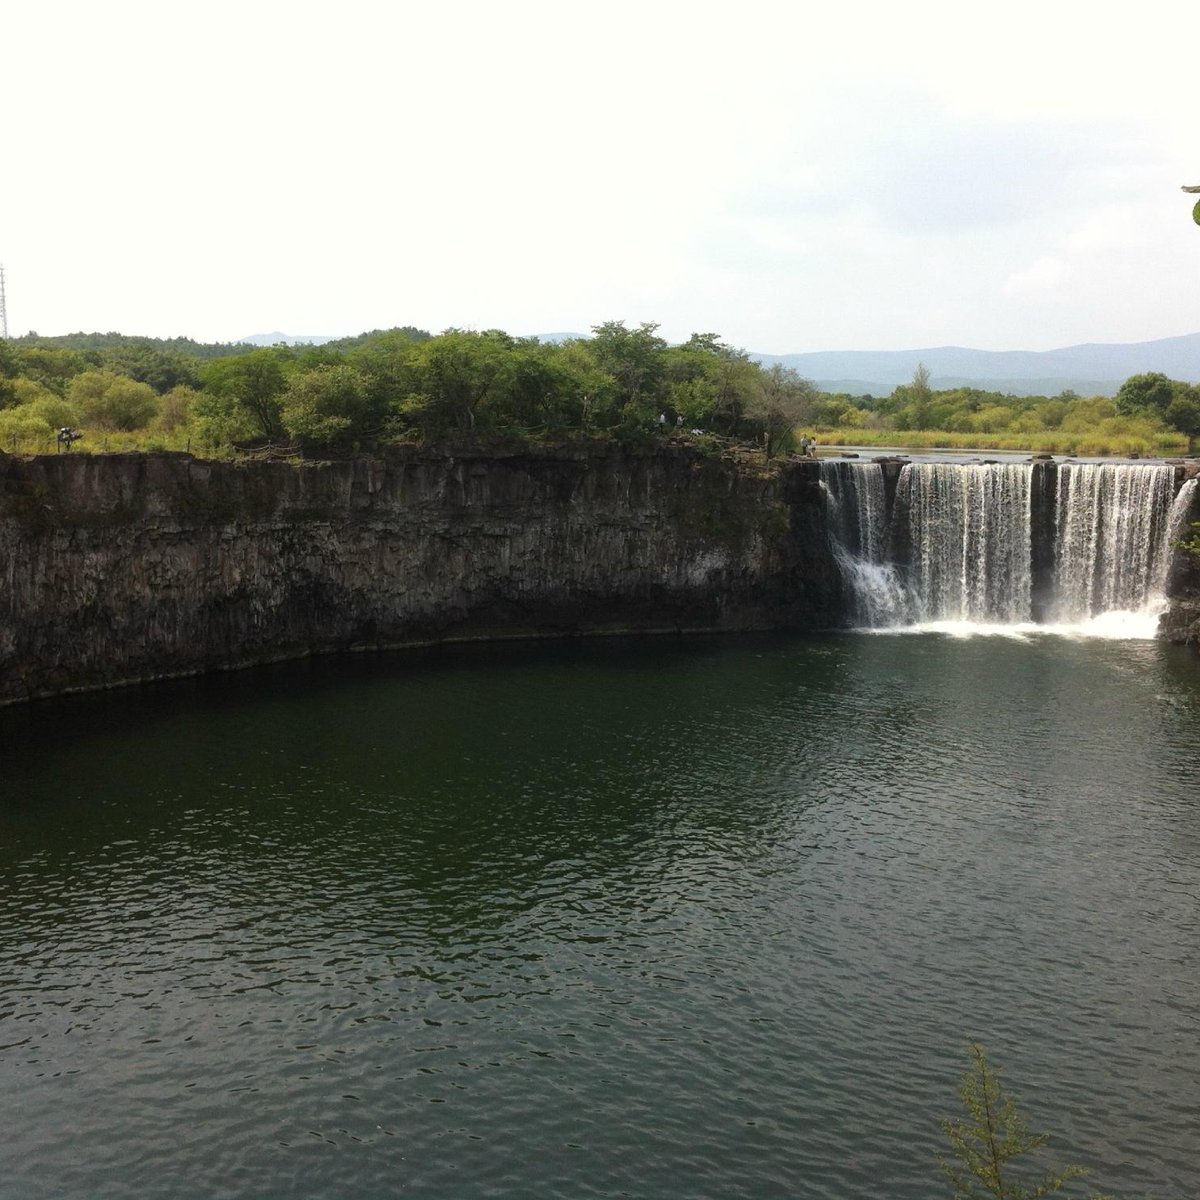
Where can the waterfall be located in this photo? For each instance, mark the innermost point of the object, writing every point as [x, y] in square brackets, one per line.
[969, 528]
[856, 504]
[1077, 548]
[1111, 549]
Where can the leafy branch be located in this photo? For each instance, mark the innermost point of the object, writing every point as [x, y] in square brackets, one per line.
[1191, 545]
[986, 1144]
[1196, 210]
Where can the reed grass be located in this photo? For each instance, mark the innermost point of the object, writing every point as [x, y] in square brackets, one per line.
[1049, 441]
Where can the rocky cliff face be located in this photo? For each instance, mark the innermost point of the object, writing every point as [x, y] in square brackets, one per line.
[1181, 621]
[124, 567]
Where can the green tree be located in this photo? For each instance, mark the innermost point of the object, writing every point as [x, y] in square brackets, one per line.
[111, 401]
[175, 408]
[454, 376]
[783, 401]
[327, 406]
[9, 366]
[52, 368]
[219, 421]
[385, 360]
[537, 389]
[161, 369]
[988, 1143]
[590, 382]
[1183, 413]
[1151, 392]
[635, 358]
[254, 382]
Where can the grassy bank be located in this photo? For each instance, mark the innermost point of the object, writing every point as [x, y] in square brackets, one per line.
[1049, 441]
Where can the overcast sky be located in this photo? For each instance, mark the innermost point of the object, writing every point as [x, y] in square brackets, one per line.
[789, 176]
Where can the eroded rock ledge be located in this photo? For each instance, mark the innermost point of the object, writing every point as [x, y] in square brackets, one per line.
[119, 568]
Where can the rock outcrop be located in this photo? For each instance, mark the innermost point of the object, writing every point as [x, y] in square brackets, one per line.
[118, 568]
[1181, 621]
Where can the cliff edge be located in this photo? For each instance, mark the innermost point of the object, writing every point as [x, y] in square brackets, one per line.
[119, 568]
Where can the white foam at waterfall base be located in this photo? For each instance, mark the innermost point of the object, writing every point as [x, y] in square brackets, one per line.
[879, 594]
[1111, 626]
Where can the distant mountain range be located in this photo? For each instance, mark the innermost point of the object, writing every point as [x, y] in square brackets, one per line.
[1094, 368]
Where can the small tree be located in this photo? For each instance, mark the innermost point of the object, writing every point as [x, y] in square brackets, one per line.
[111, 401]
[986, 1144]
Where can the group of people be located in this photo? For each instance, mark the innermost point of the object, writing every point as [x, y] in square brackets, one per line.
[808, 445]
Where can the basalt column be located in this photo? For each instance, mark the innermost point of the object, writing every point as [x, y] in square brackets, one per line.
[1042, 533]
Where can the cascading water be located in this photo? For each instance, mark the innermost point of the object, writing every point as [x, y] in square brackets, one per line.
[1111, 555]
[969, 529]
[1074, 548]
[856, 503]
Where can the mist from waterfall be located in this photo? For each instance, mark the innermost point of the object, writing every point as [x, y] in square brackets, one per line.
[956, 549]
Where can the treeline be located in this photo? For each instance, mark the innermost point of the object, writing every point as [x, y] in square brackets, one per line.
[1149, 413]
[399, 384]
[405, 384]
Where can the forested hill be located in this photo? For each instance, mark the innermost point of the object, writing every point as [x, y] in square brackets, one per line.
[1094, 368]
[130, 342]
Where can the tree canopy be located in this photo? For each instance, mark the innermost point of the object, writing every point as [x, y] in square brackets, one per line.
[624, 381]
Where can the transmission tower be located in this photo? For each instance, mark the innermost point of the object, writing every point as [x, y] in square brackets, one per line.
[3, 309]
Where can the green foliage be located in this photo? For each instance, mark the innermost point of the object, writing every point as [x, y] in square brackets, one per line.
[254, 383]
[9, 369]
[1152, 391]
[22, 430]
[1155, 415]
[53, 410]
[1183, 413]
[110, 401]
[327, 406]
[537, 390]
[175, 409]
[1196, 212]
[162, 370]
[987, 1145]
[625, 382]
[634, 360]
[51, 368]
[1154, 395]
[454, 374]
[1189, 545]
[95, 343]
[219, 421]
[783, 401]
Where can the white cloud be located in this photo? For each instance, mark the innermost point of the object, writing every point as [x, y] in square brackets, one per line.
[793, 178]
[1043, 275]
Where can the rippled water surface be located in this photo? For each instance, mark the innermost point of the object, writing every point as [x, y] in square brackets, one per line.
[647, 918]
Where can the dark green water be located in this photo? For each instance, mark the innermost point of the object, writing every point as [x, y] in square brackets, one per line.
[647, 918]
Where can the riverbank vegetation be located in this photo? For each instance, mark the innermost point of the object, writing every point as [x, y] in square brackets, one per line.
[1150, 414]
[622, 382]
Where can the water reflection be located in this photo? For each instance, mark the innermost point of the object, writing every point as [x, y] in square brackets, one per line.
[704, 918]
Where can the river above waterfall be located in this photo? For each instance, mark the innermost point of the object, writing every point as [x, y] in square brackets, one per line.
[650, 918]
